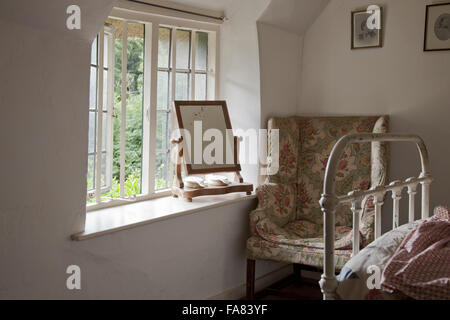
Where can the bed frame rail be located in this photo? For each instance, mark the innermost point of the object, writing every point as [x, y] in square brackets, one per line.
[330, 201]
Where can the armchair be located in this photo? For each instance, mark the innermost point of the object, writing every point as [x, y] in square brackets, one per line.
[287, 225]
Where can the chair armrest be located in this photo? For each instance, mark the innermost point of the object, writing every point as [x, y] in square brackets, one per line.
[275, 202]
[256, 216]
[367, 225]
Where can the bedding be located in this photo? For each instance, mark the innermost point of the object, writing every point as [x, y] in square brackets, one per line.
[420, 268]
[352, 281]
[402, 255]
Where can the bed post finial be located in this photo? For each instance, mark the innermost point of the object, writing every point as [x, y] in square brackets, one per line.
[328, 282]
[426, 195]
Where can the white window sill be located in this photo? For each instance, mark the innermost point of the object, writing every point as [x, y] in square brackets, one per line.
[109, 220]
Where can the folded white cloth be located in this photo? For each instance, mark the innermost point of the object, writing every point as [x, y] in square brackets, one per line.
[194, 182]
[216, 180]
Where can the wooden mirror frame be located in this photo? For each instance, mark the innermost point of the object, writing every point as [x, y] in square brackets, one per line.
[236, 167]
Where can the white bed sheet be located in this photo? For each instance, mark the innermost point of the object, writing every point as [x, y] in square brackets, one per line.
[354, 275]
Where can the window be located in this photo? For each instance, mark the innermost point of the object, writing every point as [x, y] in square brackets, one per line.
[100, 153]
[186, 45]
[146, 66]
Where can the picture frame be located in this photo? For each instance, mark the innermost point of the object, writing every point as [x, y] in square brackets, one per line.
[214, 115]
[437, 27]
[361, 36]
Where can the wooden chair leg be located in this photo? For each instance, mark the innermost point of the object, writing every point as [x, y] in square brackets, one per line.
[250, 279]
[297, 271]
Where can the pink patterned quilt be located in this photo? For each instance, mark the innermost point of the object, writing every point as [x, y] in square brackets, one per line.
[420, 268]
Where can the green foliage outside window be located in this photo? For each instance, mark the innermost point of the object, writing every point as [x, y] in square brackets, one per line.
[134, 116]
[134, 124]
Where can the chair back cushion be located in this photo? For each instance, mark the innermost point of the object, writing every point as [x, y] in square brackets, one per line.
[317, 137]
[287, 152]
[305, 144]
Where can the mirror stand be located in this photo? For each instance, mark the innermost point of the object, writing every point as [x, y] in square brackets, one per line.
[179, 189]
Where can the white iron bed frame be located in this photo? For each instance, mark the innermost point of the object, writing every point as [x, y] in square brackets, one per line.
[330, 201]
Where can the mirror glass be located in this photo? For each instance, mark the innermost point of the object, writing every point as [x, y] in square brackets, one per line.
[207, 136]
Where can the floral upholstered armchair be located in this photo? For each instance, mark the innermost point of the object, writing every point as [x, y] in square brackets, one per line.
[287, 225]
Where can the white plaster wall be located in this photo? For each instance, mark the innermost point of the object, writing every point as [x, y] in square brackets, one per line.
[281, 29]
[294, 16]
[280, 58]
[240, 69]
[44, 83]
[399, 79]
[44, 126]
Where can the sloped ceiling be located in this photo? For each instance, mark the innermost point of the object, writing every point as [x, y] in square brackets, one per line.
[293, 15]
[290, 15]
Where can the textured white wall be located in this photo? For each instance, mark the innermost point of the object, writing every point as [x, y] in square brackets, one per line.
[399, 79]
[281, 29]
[280, 58]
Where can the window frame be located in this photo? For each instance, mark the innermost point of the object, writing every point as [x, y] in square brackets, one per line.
[152, 24]
[108, 111]
[170, 70]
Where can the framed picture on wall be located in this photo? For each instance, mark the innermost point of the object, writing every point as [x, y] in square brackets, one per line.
[437, 27]
[367, 28]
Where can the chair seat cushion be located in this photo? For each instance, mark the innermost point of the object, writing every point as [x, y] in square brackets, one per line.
[302, 233]
[261, 249]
